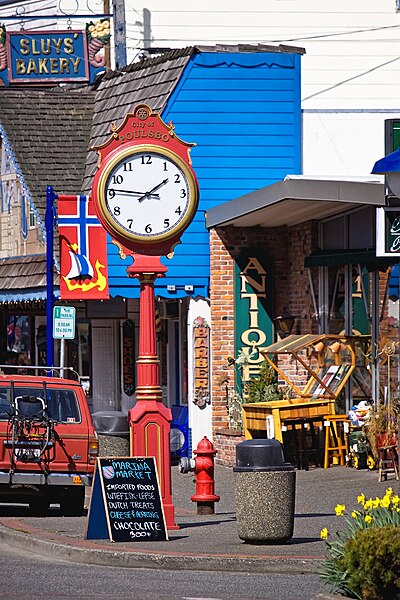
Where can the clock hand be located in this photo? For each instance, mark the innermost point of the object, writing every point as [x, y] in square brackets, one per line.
[150, 193]
[132, 192]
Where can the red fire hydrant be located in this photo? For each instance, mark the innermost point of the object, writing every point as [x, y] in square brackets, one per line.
[203, 467]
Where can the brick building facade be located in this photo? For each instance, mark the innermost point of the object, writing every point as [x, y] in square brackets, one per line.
[306, 292]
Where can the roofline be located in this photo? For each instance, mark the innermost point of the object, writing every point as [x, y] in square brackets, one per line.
[330, 190]
[175, 53]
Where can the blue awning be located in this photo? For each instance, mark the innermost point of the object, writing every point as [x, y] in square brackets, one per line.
[26, 295]
[393, 287]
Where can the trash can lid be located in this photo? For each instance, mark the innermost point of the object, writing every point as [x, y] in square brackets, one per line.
[261, 455]
[111, 422]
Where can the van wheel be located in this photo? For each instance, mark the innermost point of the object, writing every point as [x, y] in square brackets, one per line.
[39, 506]
[72, 504]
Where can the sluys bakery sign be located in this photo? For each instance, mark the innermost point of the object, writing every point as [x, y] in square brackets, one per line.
[53, 56]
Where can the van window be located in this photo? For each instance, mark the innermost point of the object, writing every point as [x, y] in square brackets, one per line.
[62, 404]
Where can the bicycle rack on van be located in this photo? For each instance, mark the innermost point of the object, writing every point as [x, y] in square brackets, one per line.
[31, 432]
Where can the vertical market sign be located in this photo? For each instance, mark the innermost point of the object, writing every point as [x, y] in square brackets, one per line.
[388, 231]
[53, 56]
[253, 308]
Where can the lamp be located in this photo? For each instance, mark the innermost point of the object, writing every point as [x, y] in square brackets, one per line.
[337, 347]
[389, 166]
[284, 323]
[319, 347]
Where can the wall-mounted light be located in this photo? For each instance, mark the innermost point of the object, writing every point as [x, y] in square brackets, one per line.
[284, 323]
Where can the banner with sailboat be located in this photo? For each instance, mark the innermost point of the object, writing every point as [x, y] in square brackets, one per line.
[83, 250]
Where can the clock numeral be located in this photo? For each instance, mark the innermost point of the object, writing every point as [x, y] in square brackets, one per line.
[146, 160]
[166, 223]
[177, 178]
[116, 179]
[148, 228]
[178, 210]
[165, 166]
[130, 223]
[117, 211]
[183, 193]
[128, 166]
[111, 193]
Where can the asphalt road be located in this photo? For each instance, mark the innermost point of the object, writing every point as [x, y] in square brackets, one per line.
[27, 577]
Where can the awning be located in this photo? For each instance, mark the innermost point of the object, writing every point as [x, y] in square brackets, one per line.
[27, 295]
[295, 200]
[366, 258]
[394, 283]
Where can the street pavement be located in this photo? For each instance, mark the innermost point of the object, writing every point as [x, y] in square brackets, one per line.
[208, 543]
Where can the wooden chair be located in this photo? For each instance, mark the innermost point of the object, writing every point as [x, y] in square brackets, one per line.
[387, 462]
[335, 439]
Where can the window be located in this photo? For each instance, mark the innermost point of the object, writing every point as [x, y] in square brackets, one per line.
[62, 404]
[32, 218]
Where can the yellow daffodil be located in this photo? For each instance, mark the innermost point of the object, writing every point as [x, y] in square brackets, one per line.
[368, 504]
[355, 514]
[339, 510]
[324, 534]
[368, 519]
[385, 502]
[395, 500]
[361, 499]
[376, 503]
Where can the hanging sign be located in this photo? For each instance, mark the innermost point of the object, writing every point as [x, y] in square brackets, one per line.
[253, 308]
[125, 504]
[53, 56]
[201, 379]
[388, 231]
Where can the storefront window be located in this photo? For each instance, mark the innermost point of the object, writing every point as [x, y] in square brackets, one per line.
[18, 334]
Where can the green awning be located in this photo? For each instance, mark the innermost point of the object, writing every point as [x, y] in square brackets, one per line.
[366, 258]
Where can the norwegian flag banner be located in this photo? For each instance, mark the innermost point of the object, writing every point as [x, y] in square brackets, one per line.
[83, 250]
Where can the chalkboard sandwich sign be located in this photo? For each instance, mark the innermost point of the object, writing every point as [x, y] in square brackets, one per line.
[126, 505]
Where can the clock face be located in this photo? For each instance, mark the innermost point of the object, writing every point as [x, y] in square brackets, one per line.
[147, 194]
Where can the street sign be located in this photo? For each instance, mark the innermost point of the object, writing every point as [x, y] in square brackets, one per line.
[63, 322]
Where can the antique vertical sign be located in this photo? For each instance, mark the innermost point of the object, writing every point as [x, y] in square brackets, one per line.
[253, 307]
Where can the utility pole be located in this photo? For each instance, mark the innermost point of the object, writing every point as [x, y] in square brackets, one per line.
[119, 33]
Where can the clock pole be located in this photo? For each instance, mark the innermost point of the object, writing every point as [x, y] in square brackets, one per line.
[143, 143]
[150, 418]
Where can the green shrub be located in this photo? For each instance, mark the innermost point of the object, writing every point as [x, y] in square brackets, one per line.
[372, 561]
[263, 387]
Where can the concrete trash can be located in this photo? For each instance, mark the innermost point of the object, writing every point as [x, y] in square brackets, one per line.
[112, 428]
[265, 487]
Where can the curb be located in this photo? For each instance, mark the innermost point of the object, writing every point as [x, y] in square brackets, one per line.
[133, 558]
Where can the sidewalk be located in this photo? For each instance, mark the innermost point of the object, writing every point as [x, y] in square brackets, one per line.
[205, 542]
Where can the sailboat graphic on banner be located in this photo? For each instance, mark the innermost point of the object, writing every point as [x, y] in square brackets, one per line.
[81, 267]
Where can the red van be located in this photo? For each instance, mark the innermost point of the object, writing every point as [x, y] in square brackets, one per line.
[48, 445]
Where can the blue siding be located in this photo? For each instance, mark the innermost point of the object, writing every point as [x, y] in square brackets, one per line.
[243, 112]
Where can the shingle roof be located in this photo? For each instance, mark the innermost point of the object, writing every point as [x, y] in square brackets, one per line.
[49, 133]
[20, 272]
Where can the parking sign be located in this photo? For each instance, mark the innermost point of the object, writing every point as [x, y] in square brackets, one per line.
[64, 322]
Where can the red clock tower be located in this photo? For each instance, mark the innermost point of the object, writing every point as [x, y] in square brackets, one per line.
[145, 194]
